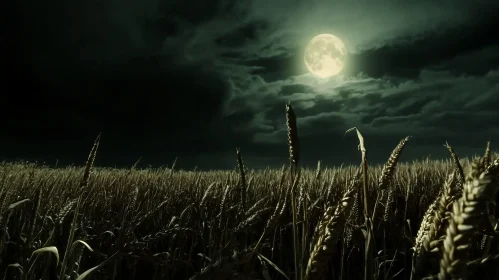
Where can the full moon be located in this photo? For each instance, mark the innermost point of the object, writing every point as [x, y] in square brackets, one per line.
[325, 55]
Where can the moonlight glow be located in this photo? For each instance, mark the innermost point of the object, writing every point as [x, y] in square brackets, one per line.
[325, 55]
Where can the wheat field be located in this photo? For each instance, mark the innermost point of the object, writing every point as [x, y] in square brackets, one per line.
[430, 219]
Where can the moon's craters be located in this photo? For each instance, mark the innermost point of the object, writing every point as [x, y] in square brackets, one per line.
[325, 55]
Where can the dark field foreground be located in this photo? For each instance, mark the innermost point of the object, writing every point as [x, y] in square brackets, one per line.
[164, 224]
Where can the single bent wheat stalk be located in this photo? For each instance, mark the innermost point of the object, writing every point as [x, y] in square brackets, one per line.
[466, 216]
[369, 231]
[329, 228]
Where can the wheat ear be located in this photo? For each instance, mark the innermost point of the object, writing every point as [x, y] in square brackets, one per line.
[466, 215]
[428, 238]
[486, 156]
[329, 228]
[243, 185]
[457, 164]
[389, 167]
[294, 149]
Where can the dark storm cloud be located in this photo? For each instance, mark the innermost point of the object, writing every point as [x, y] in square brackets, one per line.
[321, 123]
[439, 49]
[292, 89]
[437, 106]
[243, 35]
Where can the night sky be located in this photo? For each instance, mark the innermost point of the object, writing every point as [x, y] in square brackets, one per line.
[197, 79]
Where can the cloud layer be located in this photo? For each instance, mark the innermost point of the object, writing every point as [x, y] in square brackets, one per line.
[195, 80]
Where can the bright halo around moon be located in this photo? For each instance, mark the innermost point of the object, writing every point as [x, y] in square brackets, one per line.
[325, 55]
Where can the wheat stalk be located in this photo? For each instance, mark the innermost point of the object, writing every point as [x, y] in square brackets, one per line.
[243, 184]
[424, 228]
[328, 230]
[457, 164]
[466, 215]
[487, 158]
[389, 167]
[428, 238]
[294, 149]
